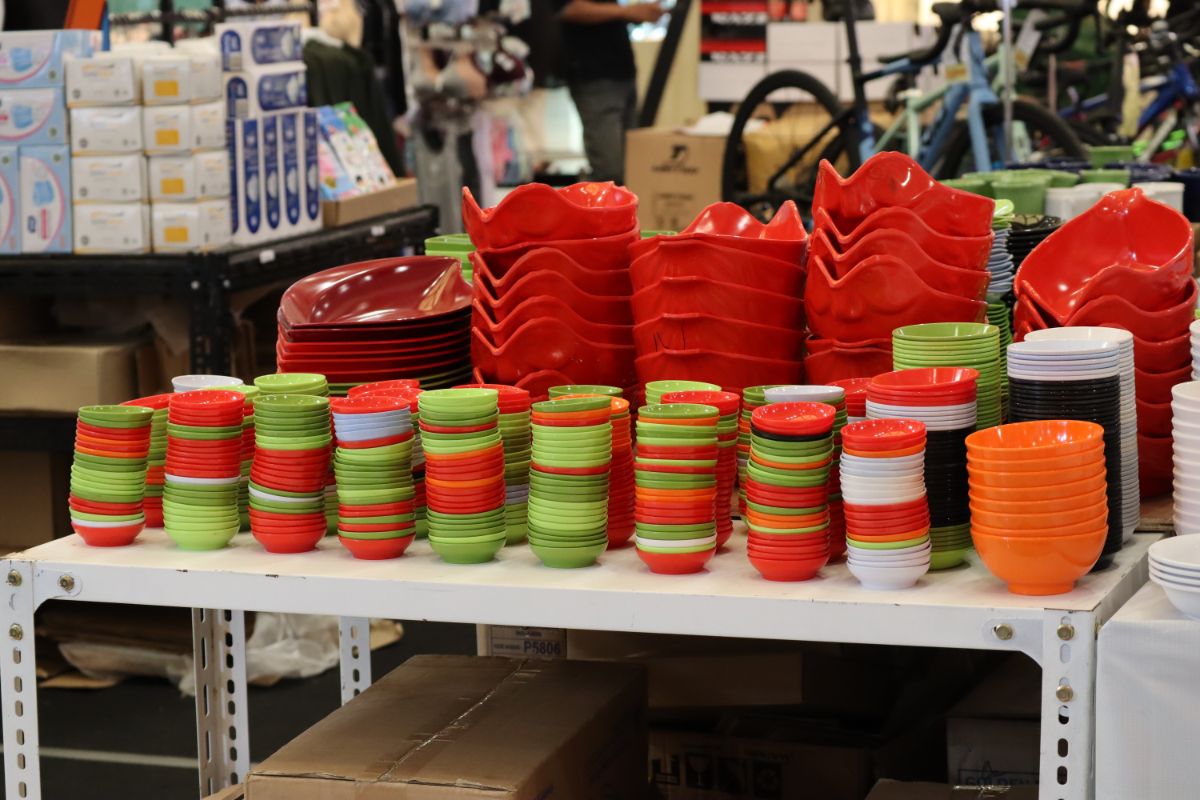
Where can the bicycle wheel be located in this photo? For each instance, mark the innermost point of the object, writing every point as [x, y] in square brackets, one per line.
[805, 114]
[1047, 135]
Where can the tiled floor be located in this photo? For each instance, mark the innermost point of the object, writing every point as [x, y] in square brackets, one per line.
[137, 740]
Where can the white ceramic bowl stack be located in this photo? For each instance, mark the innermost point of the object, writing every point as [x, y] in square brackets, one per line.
[190, 383]
[1175, 566]
[1130, 490]
[1194, 328]
[1185, 429]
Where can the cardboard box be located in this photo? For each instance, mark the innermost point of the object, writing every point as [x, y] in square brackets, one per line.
[189, 177]
[176, 227]
[33, 116]
[167, 129]
[109, 179]
[355, 209]
[993, 735]
[112, 228]
[675, 175]
[58, 375]
[99, 131]
[207, 80]
[232, 793]
[245, 44]
[103, 80]
[463, 727]
[33, 489]
[214, 223]
[34, 59]
[208, 125]
[166, 78]
[260, 90]
[245, 181]
[898, 790]
[10, 200]
[45, 199]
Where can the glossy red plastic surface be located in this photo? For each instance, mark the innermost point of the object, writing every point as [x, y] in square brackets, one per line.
[893, 179]
[1155, 387]
[601, 253]
[731, 372]
[542, 292]
[335, 336]
[1155, 461]
[545, 260]
[965, 252]
[535, 212]
[717, 334]
[969, 283]
[683, 257]
[549, 344]
[801, 569]
[714, 298]
[675, 563]
[541, 310]
[829, 360]
[1163, 356]
[1154, 326]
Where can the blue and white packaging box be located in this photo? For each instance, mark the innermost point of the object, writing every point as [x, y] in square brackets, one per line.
[33, 116]
[248, 44]
[10, 201]
[272, 213]
[246, 193]
[34, 59]
[45, 199]
[106, 130]
[262, 89]
[311, 140]
[291, 134]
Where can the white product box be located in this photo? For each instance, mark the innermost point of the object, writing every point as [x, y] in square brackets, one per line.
[175, 227]
[103, 80]
[33, 116]
[246, 44]
[214, 223]
[10, 208]
[260, 90]
[166, 78]
[212, 174]
[109, 179]
[34, 59]
[272, 213]
[208, 125]
[189, 177]
[245, 170]
[312, 171]
[45, 199]
[113, 129]
[112, 228]
[168, 129]
[207, 79]
[291, 162]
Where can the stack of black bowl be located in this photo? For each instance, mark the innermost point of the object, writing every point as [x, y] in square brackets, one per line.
[1028, 231]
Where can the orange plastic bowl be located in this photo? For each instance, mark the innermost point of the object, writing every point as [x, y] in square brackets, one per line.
[1034, 441]
[1038, 507]
[1063, 523]
[1032, 480]
[1083, 458]
[1053, 491]
[1037, 565]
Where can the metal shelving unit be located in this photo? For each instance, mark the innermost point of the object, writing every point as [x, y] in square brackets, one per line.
[961, 608]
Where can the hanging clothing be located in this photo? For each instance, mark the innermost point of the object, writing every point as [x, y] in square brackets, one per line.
[341, 74]
[381, 38]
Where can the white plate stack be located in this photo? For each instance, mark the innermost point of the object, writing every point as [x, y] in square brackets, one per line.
[1175, 566]
[1130, 489]
[1195, 331]
[1185, 430]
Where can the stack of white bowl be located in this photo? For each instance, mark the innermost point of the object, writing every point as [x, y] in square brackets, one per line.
[1131, 508]
[1185, 430]
[1175, 566]
[1195, 331]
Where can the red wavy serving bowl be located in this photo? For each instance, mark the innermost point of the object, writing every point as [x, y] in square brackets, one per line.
[1154, 326]
[1162, 356]
[1155, 464]
[893, 179]
[537, 309]
[729, 225]
[536, 212]
[829, 360]
[680, 257]
[714, 298]
[546, 286]
[968, 283]
[543, 260]
[600, 253]
[964, 252]
[1155, 387]
[549, 344]
[717, 334]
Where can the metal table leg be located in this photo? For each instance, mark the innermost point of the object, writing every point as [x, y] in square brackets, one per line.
[354, 635]
[222, 724]
[18, 686]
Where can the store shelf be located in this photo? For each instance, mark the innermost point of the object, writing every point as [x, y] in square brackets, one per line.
[963, 608]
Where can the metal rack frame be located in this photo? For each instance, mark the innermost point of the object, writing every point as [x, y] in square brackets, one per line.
[960, 608]
[166, 16]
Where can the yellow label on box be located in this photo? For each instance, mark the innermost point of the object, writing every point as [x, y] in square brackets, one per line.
[177, 234]
[166, 138]
[166, 88]
[171, 185]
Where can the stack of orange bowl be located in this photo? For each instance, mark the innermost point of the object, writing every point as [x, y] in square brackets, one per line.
[552, 266]
[1039, 509]
[728, 406]
[157, 458]
[891, 247]
[1125, 263]
[721, 298]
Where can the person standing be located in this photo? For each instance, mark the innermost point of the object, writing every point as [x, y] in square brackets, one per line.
[602, 76]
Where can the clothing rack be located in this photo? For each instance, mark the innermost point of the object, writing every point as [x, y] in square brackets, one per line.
[167, 15]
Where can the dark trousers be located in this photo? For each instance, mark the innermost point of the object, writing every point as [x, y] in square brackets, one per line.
[607, 109]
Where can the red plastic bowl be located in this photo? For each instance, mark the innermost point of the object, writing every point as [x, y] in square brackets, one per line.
[536, 309]
[601, 253]
[883, 435]
[683, 257]
[377, 549]
[730, 371]
[1154, 326]
[1153, 419]
[893, 244]
[1155, 461]
[536, 212]
[789, 570]
[288, 542]
[794, 419]
[716, 334]
[1163, 356]
[726, 403]
[965, 252]
[551, 345]
[542, 286]
[675, 563]
[831, 362]
[714, 298]
[118, 536]
[1155, 387]
[546, 262]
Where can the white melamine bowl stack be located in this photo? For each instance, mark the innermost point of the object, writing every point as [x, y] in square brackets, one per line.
[1175, 566]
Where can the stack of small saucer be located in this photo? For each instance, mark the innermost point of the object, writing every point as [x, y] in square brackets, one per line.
[728, 405]
[108, 476]
[156, 459]
[203, 468]
[514, 405]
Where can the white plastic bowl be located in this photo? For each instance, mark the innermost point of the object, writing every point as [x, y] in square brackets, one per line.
[188, 383]
[892, 578]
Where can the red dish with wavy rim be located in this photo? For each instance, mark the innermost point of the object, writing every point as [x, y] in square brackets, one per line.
[536, 212]
[969, 283]
[732, 371]
[600, 253]
[1163, 356]
[964, 252]
[714, 298]
[550, 344]
[891, 179]
[716, 334]
[879, 295]
[830, 361]
[545, 262]
[1154, 326]
[1155, 387]
[1153, 419]
[377, 549]
[679, 257]
[534, 309]
[382, 292]
[608, 309]
[1155, 461]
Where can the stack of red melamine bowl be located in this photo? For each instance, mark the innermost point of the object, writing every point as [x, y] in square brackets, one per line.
[203, 468]
[108, 477]
[410, 390]
[891, 247]
[156, 458]
[551, 265]
[373, 464]
[722, 298]
[729, 406]
[1125, 263]
[249, 392]
[787, 489]
[514, 405]
[752, 398]
[856, 397]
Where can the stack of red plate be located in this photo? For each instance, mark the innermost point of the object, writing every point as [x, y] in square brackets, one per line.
[722, 300]
[552, 286]
[856, 397]
[378, 320]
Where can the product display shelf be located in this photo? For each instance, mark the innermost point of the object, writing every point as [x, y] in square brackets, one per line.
[961, 608]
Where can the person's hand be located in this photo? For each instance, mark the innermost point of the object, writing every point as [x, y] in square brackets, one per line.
[643, 12]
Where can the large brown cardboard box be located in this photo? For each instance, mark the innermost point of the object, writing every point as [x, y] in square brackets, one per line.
[675, 175]
[62, 375]
[993, 735]
[898, 790]
[33, 494]
[442, 727]
[397, 197]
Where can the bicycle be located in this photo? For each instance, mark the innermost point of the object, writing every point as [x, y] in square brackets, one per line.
[946, 148]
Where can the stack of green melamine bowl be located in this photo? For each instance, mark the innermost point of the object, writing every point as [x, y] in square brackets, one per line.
[675, 469]
[293, 445]
[957, 344]
[569, 480]
[108, 477]
[156, 459]
[516, 436]
[306, 383]
[249, 392]
[464, 473]
[203, 468]
[752, 398]
[585, 388]
[656, 389]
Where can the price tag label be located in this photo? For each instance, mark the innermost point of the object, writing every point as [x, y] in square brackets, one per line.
[266, 256]
[514, 642]
[1027, 39]
[378, 230]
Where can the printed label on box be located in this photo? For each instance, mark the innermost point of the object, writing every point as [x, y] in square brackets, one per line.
[244, 44]
[108, 179]
[34, 59]
[290, 160]
[101, 81]
[168, 129]
[166, 79]
[112, 228]
[251, 179]
[10, 184]
[172, 178]
[275, 87]
[270, 162]
[212, 173]
[33, 116]
[208, 125]
[106, 130]
[45, 199]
